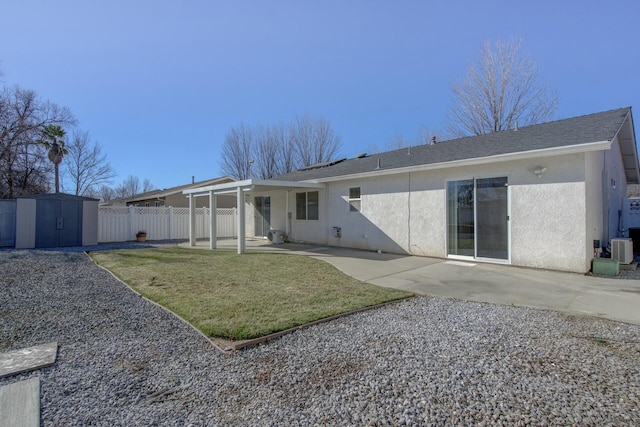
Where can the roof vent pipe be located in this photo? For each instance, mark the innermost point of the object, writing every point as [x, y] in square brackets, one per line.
[433, 139]
[378, 163]
[409, 151]
[193, 179]
[516, 128]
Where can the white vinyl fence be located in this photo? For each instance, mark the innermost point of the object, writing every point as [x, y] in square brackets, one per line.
[121, 223]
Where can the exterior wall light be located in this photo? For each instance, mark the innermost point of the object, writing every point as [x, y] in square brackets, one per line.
[539, 170]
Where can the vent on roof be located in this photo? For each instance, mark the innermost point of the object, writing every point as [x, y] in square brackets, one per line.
[361, 155]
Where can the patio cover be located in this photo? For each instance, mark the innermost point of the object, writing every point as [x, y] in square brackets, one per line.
[238, 187]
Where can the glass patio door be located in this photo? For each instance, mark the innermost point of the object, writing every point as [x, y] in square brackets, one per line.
[262, 219]
[492, 226]
[460, 218]
[477, 218]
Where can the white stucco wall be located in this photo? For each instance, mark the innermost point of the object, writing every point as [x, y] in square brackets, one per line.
[553, 218]
[383, 221]
[428, 215]
[616, 193]
[594, 165]
[548, 216]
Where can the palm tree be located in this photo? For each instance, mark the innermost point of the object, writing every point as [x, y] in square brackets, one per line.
[52, 140]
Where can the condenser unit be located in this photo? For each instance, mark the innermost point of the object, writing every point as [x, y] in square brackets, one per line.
[276, 236]
[622, 250]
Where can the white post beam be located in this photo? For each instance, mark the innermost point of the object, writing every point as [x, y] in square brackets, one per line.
[192, 220]
[241, 231]
[213, 230]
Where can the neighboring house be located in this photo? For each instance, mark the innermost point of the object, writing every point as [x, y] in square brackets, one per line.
[538, 196]
[173, 196]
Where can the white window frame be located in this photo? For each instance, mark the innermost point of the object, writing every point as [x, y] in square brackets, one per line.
[355, 203]
[306, 206]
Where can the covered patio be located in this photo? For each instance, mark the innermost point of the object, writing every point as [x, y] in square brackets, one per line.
[240, 188]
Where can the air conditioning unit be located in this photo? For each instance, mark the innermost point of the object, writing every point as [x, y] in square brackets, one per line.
[622, 250]
[276, 236]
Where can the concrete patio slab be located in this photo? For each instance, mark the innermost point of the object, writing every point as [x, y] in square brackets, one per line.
[27, 359]
[20, 404]
[615, 299]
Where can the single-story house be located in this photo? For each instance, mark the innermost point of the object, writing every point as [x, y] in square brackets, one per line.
[173, 196]
[537, 196]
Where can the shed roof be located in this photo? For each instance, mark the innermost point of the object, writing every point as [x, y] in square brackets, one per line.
[56, 196]
[582, 133]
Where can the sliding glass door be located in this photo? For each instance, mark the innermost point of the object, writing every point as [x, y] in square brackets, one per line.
[460, 217]
[262, 217]
[477, 218]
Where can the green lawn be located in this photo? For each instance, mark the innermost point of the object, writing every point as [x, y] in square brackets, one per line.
[233, 296]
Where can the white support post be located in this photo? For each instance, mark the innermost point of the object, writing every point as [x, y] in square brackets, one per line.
[170, 222]
[241, 231]
[192, 220]
[213, 232]
[132, 232]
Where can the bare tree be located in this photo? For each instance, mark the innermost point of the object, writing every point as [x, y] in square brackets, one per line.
[128, 188]
[237, 152]
[274, 152]
[147, 185]
[23, 162]
[86, 165]
[286, 156]
[314, 140]
[266, 152]
[106, 193]
[278, 149]
[502, 88]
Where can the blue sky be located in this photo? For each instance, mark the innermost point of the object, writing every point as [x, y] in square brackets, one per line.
[159, 83]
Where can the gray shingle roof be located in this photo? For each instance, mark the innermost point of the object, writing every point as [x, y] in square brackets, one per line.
[586, 129]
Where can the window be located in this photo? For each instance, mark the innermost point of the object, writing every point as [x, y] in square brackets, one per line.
[354, 199]
[307, 205]
[159, 204]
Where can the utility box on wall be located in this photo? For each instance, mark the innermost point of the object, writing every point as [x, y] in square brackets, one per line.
[55, 220]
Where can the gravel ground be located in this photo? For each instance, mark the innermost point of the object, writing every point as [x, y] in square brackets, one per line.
[424, 361]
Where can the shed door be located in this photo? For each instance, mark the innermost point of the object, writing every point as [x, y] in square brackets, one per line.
[58, 223]
[7, 222]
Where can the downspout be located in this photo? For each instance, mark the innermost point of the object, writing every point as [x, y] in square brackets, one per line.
[409, 214]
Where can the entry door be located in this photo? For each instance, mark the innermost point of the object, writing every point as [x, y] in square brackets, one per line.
[263, 215]
[477, 218]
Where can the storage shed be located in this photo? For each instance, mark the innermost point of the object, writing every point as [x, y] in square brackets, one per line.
[55, 220]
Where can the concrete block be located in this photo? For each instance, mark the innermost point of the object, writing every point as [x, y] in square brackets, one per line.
[28, 359]
[20, 404]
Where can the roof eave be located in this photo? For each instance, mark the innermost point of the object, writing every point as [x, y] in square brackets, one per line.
[522, 155]
[250, 185]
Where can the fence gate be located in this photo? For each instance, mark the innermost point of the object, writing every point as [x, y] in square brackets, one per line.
[7, 223]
